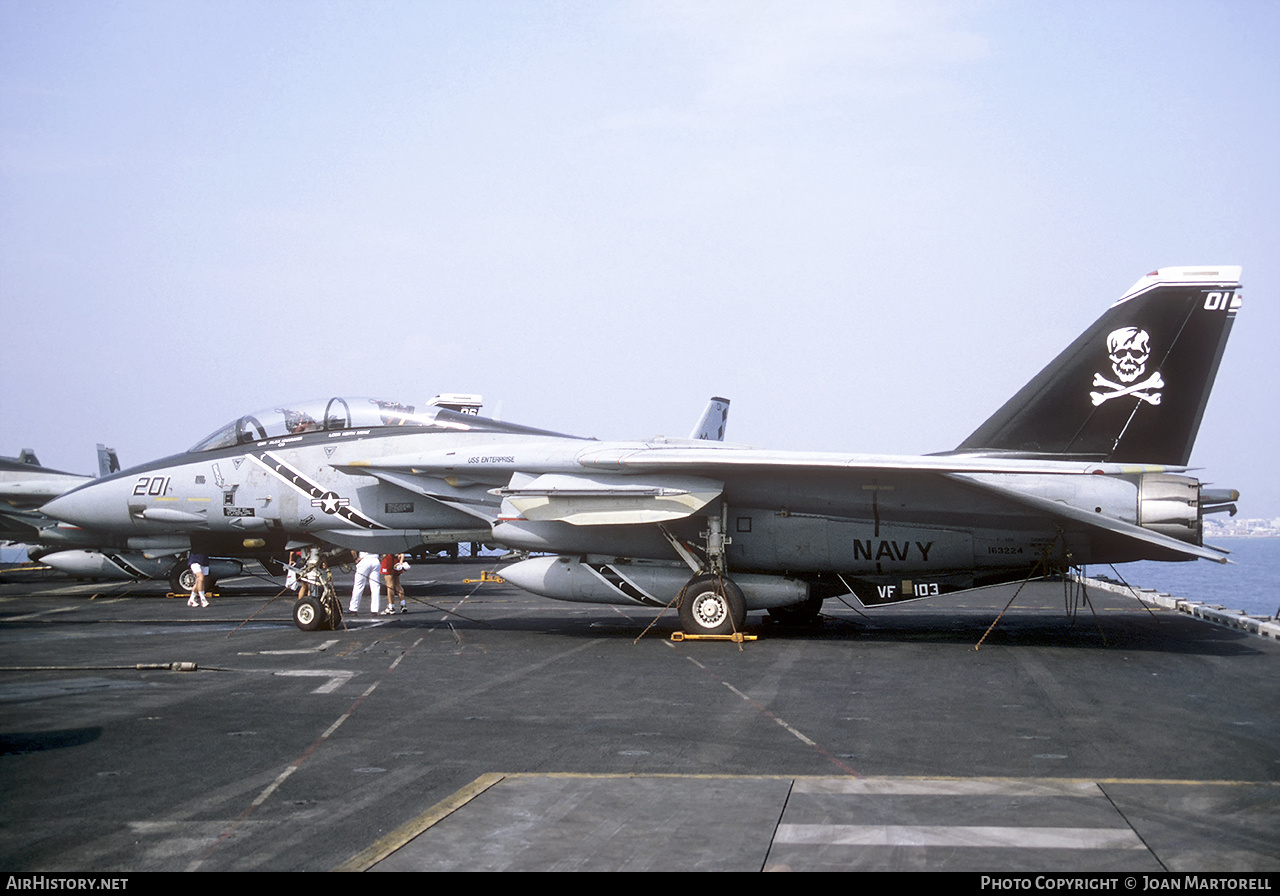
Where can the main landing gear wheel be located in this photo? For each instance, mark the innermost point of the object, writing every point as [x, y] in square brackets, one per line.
[181, 579]
[712, 605]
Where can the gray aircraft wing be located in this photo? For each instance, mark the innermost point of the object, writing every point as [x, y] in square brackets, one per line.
[707, 460]
[647, 483]
[444, 489]
[850, 471]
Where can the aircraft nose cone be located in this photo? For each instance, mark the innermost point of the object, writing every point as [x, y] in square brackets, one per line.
[81, 507]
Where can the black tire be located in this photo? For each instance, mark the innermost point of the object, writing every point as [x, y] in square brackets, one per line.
[309, 615]
[712, 605]
[175, 578]
[182, 580]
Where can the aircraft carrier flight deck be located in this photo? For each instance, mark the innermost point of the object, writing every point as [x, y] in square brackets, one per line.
[489, 729]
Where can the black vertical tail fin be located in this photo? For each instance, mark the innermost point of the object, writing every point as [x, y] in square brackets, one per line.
[1133, 387]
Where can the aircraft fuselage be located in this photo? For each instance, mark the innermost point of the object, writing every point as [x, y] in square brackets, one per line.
[269, 493]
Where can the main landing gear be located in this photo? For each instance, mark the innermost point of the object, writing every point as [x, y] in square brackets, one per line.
[183, 581]
[710, 603]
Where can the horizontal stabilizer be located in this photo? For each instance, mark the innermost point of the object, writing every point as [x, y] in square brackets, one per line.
[607, 500]
[1097, 521]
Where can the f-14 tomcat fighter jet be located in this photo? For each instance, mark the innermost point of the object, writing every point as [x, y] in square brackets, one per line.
[1086, 464]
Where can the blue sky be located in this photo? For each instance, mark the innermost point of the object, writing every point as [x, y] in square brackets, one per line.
[866, 223]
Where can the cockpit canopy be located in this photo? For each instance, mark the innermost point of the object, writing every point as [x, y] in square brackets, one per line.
[320, 415]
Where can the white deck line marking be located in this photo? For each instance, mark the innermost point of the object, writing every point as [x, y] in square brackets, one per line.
[786, 727]
[337, 678]
[325, 646]
[940, 835]
[942, 787]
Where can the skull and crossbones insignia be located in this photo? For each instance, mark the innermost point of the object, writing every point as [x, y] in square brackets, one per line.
[1129, 349]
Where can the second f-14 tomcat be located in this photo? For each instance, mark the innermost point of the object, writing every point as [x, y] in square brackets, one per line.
[1086, 464]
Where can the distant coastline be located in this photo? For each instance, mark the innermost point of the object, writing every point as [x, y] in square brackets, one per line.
[1241, 528]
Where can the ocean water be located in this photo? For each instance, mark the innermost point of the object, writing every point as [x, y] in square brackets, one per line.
[1249, 582]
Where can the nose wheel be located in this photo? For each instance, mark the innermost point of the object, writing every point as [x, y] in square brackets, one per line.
[313, 614]
[308, 614]
[320, 610]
